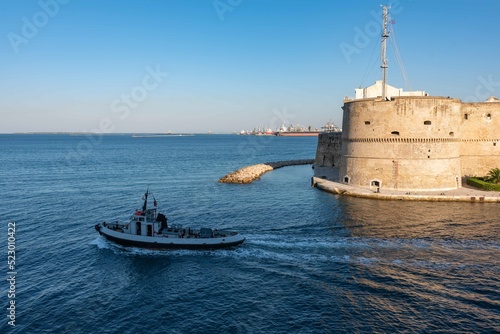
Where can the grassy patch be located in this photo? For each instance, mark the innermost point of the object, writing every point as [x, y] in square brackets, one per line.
[478, 182]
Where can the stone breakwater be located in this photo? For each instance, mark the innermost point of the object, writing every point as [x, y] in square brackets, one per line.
[254, 172]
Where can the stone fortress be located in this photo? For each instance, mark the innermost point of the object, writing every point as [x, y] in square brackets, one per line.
[410, 141]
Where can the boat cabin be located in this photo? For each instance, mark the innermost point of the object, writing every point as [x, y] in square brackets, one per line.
[142, 222]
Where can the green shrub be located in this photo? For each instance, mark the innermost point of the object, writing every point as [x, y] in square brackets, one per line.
[479, 183]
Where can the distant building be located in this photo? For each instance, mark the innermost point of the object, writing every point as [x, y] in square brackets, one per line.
[376, 91]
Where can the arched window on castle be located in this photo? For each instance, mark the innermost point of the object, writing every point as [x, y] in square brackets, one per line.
[466, 116]
[427, 123]
[488, 117]
[395, 133]
[376, 184]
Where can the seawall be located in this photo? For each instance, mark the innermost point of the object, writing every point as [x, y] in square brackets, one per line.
[250, 173]
[464, 194]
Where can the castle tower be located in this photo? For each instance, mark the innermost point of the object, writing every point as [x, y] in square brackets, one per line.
[480, 139]
[405, 143]
[409, 141]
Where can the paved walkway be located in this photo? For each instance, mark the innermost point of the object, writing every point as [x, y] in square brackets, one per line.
[323, 176]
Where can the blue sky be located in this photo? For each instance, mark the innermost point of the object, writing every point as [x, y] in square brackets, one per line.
[228, 65]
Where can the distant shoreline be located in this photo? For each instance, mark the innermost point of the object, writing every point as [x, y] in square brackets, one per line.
[137, 134]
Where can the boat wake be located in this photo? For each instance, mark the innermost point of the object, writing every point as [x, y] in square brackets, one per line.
[101, 243]
[303, 251]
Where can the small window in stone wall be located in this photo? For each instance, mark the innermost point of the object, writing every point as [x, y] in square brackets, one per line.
[367, 122]
[488, 117]
[395, 133]
[452, 134]
[346, 179]
[427, 123]
[466, 116]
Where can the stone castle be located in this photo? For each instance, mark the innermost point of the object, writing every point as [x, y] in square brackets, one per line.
[411, 141]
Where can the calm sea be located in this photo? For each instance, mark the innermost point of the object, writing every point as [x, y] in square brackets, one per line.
[312, 262]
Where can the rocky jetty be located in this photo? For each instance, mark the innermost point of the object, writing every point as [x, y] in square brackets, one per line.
[254, 172]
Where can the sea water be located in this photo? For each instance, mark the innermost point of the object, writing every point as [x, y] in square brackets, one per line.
[312, 262]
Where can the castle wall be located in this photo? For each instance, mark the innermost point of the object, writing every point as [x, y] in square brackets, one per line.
[480, 146]
[413, 143]
[329, 149]
[407, 143]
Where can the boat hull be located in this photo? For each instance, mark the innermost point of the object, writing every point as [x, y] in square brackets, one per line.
[298, 134]
[169, 242]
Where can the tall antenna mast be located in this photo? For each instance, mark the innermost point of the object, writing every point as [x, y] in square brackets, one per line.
[383, 57]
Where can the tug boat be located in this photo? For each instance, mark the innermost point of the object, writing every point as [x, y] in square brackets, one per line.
[148, 228]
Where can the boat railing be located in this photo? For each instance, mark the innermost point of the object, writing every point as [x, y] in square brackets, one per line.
[116, 226]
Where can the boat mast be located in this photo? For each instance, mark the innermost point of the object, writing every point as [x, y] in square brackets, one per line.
[383, 57]
[145, 201]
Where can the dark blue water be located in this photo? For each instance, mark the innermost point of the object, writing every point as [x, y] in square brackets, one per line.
[312, 262]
